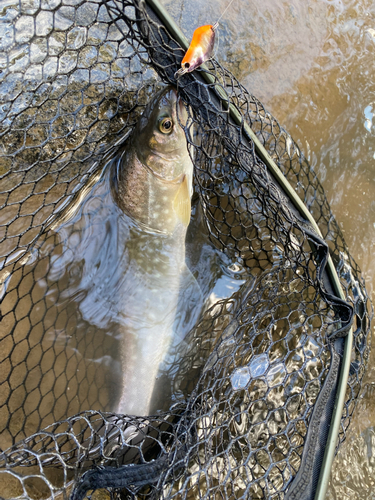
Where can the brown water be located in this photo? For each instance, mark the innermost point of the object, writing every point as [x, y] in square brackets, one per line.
[312, 65]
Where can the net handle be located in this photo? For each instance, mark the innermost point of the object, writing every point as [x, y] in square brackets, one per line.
[330, 448]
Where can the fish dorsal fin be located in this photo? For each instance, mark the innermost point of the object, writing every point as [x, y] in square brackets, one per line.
[182, 202]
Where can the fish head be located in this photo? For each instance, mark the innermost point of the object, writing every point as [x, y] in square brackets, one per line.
[154, 178]
[159, 138]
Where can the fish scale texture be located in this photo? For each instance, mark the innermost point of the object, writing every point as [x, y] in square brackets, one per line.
[259, 370]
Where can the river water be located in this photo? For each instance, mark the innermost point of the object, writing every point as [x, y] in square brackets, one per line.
[311, 63]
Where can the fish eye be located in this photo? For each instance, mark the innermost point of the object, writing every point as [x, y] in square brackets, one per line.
[166, 125]
[187, 65]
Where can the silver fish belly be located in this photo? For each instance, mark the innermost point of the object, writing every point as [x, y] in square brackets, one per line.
[158, 311]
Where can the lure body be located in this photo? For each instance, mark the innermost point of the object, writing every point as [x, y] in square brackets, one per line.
[200, 49]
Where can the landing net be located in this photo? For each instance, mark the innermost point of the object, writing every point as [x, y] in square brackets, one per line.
[260, 371]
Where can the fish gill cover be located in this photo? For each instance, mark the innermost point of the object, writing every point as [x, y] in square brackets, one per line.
[257, 381]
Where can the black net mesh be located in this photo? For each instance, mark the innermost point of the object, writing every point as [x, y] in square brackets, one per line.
[251, 391]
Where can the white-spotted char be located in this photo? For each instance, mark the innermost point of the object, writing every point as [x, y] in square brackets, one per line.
[152, 184]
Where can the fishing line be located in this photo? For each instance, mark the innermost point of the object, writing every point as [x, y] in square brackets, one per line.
[216, 25]
[214, 28]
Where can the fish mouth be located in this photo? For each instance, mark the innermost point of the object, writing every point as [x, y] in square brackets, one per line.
[181, 111]
[178, 107]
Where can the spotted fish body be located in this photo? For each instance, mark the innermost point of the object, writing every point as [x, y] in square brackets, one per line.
[152, 184]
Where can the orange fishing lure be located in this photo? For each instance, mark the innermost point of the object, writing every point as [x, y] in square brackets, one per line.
[200, 49]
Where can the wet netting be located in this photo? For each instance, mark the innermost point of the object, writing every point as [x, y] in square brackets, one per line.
[251, 391]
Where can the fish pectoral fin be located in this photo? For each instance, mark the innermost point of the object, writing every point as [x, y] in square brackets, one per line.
[182, 202]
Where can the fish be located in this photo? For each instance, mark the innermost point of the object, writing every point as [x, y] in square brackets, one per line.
[118, 260]
[152, 185]
[200, 49]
